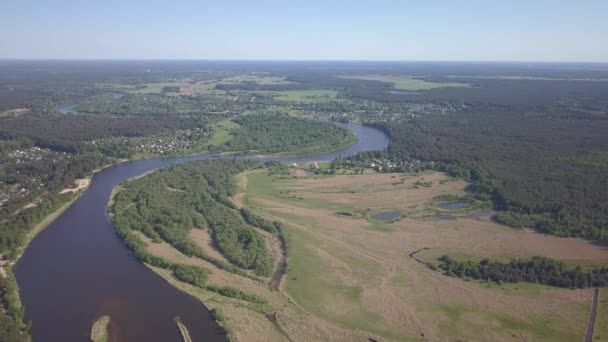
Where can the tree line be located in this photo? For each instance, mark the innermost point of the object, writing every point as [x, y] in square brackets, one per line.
[537, 269]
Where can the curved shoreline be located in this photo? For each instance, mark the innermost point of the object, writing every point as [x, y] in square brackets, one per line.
[91, 244]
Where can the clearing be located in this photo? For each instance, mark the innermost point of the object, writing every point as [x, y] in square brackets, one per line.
[260, 79]
[407, 82]
[14, 112]
[311, 96]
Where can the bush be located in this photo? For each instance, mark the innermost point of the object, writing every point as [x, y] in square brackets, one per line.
[190, 274]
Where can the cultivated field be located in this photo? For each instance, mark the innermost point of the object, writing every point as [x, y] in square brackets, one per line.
[311, 96]
[408, 83]
[261, 79]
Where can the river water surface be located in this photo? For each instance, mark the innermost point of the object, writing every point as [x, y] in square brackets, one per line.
[77, 269]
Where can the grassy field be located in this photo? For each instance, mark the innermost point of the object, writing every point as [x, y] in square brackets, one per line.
[531, 78]
[192, 88]
[601, 323]
[408, 83]
[222, 132]
[186, 88]
[314, 96]
[346, 272]
[352, 278]
[257, 78]
[14, 112]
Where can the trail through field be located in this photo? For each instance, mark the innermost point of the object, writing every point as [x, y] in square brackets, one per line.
[592, 316]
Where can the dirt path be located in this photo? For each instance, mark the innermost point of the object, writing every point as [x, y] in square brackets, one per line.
[413, 255]
[592, 316]
[275, 283]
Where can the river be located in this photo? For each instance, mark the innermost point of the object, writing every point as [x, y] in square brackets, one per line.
[77, 269]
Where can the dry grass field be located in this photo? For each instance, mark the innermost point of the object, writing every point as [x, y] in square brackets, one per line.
[351, 278]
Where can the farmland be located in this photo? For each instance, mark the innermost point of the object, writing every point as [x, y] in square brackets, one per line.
[408, 83]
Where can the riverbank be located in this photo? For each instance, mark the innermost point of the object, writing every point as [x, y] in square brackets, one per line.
[124, 279]
[11, 295]
[262, 311]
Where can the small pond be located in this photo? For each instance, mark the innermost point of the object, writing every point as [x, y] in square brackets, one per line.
[453, 205]
[386, 216]
[68, 109]
[116, 96]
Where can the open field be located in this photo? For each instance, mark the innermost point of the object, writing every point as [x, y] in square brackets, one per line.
[358, 274]
[14, 112]
[222, 132]
[530, 78]
[260, 79]
[246, 321]
[186, 88]
[350, 278]
[189, 87]
[407, 83]
[317, 95]
[601, 323]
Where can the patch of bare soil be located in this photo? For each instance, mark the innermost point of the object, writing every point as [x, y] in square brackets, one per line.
[202, 237]
[15, 112]
[186, 89]
[241, 182]
[299, 173]
[79, 184]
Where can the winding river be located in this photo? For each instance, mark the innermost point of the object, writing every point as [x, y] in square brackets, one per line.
[77, 269]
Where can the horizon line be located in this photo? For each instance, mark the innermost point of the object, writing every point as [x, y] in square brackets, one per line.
[86, 59]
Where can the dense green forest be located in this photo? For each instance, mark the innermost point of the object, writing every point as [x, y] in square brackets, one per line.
[535, 270]
[12, 326]
[167, 204]
[287, 135]
[551, 174]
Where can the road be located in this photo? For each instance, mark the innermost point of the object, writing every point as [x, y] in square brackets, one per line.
[591, 324]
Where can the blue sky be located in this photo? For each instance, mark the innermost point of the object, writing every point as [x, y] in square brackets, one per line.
[306, 29]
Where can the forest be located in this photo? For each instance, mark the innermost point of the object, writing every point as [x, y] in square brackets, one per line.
[538, 270]
[287, 135]
[551, 174]
[166, 205]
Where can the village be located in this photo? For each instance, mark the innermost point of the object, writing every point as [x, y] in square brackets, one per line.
[176, 142]
[355, 166]
[365, 110]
